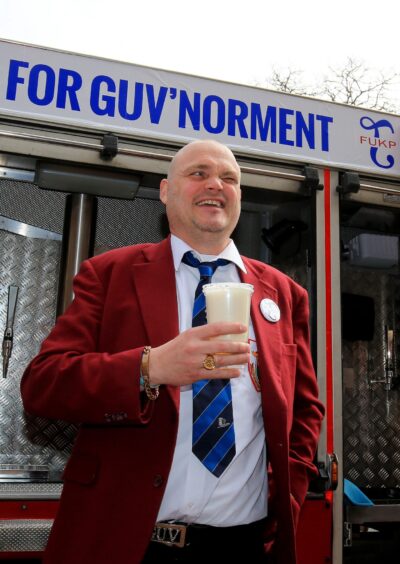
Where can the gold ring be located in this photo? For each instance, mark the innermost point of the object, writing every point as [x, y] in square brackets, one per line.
[209, 362]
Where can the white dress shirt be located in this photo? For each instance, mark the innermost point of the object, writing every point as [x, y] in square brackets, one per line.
[193, 494]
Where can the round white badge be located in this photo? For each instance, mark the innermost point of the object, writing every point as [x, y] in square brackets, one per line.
[270, 310]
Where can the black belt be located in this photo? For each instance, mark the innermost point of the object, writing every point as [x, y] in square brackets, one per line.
[178, 534]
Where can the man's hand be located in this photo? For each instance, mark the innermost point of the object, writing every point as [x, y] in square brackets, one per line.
[180, 361]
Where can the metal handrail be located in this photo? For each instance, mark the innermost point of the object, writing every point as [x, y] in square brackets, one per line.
[140, 153]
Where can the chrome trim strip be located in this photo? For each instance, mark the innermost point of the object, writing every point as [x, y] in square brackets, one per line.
[19, 228]
[141, 154]
[8, 173]
[55, 140]
[380, 189]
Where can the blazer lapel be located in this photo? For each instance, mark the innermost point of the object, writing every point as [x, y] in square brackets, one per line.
[154, 280]
[269, 344]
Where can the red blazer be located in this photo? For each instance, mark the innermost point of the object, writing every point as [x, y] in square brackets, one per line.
[87, 371]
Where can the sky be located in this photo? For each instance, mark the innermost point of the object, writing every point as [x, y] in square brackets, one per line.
[238, 41]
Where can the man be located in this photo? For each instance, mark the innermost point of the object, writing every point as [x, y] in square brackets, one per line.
[133, 466]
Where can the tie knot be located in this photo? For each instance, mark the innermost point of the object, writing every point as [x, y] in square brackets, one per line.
[205, 268]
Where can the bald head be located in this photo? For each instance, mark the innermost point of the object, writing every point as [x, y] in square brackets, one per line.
[202, 145]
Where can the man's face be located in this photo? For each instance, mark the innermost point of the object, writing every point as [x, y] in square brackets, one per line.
[202, 195]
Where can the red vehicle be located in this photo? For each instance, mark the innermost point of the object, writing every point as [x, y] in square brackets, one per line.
[84, 143]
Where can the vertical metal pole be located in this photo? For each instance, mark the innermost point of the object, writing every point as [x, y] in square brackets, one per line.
[337, 383]
[78, 237]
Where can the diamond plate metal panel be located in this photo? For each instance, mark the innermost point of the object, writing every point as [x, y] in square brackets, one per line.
[32, 265]
[24, 535]
[29, 490]
[371, 414]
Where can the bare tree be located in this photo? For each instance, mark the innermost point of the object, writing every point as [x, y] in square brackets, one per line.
[291, 82]
[354, 84]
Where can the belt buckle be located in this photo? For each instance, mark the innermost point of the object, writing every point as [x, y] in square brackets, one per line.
[170, 534]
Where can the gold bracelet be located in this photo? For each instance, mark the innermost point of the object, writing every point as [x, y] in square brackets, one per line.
[151, 392]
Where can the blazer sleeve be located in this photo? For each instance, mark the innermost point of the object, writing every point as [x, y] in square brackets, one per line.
[70, 379]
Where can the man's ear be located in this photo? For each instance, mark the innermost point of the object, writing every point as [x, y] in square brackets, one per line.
[164, 190]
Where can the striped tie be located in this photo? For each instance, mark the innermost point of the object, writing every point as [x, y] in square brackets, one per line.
[213, 440]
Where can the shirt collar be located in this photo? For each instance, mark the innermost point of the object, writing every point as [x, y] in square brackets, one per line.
[179, 248]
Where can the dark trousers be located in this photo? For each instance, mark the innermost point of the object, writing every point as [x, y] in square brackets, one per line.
[208, 545]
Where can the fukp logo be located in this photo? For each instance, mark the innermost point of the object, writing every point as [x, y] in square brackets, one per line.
[379, 140]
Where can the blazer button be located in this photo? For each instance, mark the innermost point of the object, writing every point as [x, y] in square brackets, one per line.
[157, 480]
